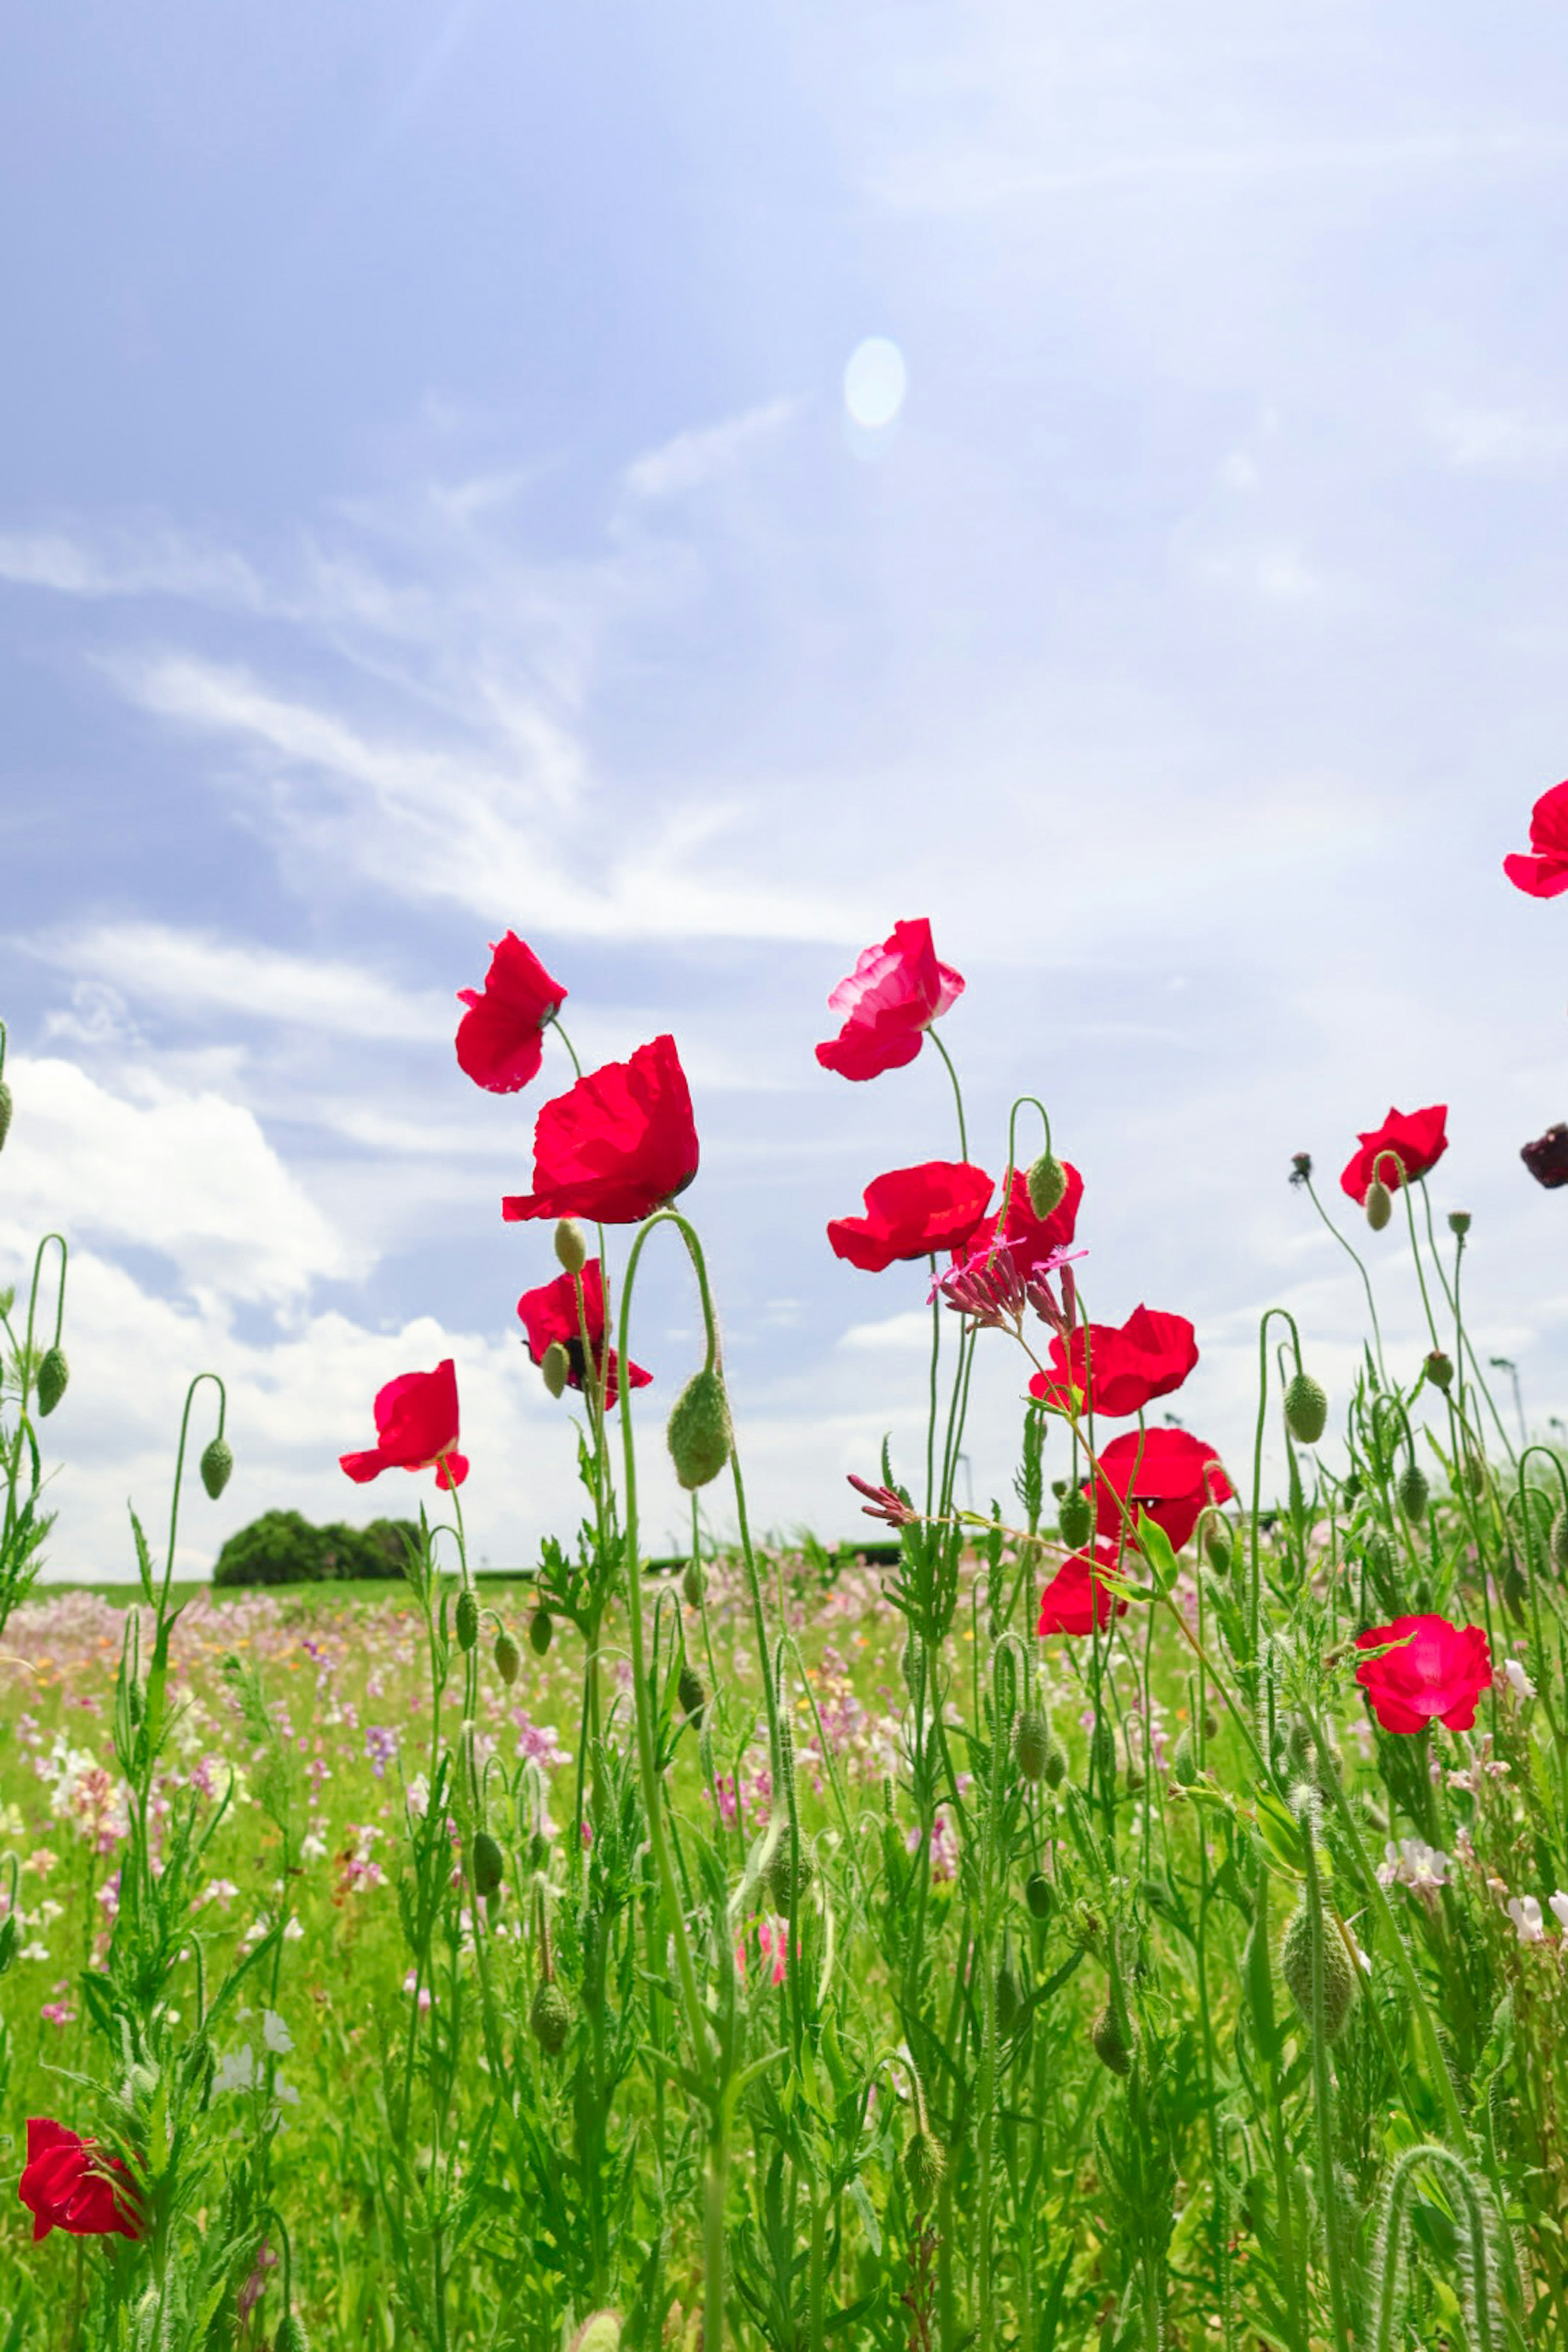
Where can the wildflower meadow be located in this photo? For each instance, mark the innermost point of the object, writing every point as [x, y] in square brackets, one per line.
[1133, 1914]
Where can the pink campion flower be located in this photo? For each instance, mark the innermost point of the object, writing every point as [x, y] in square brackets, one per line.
[1528, 1924]
[1544, 873]
[882, 1503]
[415, 1428]
[888, 1003]
[500, 1037]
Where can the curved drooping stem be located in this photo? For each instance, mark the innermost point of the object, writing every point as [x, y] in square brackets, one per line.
[1255, 1578]
[180, 1467]
[1480, 2273]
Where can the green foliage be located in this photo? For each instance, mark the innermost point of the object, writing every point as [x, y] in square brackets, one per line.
[283, 1548]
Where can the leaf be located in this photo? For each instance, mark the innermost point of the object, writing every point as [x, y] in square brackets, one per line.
[1155, 1546]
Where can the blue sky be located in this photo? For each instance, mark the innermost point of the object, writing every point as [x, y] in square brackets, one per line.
[428, 505]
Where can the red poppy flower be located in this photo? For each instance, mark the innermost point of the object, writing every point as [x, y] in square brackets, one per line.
[887, 1003]
[1547, 1157]
[1168, 1472]
[1420, 1137]
[1544, 873]
[912, 1211]
[500, 1038]
[551, 1314]
[415, 1426]
[67, 2185]
[1129, 1364]
[1029, 1238]
[614, 1146]
[1439, 1671]
[1075, 1600]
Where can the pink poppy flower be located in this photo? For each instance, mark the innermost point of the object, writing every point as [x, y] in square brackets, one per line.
[887, 1004]
[415, 1426]
[500, 1037]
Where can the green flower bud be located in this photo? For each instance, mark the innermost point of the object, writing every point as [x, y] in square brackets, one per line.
[1296, 1967]
[553, 1367]
[1185, 1762]
[692, 1583]
[290, 2335]
[1032, 1743]
[1039, 1896]
[538, 1851]
[550, 2019]
[540, 1629]
[691, 1691]
[1103, 1755]
[1560, 1542]
[1074, 1519]
[599, 2332]
[1045, 1184]
[1306, 1409]
[1217, 1544]
[925, 2162]
[1472, 1473]
[218, 1467]
[508, 1657]
[54, 1375]
[783, 1880]
[5, 1113]
[1379, 1205]
[699, 1432]
[571, 1245]
[1440, 1369]
[1010, 2000]
[1413, 1491]
[7, 1941]
[1113, 2036]
[1055, 1763]
[490, 1863]
[468, 1619]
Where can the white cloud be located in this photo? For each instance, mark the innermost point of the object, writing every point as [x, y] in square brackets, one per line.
[191, 1176]
[696, 457]
[203, 976]
[155, 562]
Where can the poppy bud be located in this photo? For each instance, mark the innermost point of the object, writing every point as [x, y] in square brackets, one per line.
[1379, 1204]
[1103, 1755]
[540, 1629]
[700, 1433]
[1185, 1762]
[1306, 1409]
[691, 1691]
[599, 2332]
[1296, 1967]
[1010, 2000]
[1472, 1473]
[785, 1881]
[1075, 1519]
[1032, 1743]
[490, 1863]
[290, 2335]
[553, 1367]
[1039, 1896]
[1560, 1542]
[1440, 1369]
[571, 1245]
[538, 1851]
[1111, 2034]
[468, 1618]
[508, 1657]
[218, 1467]
[1460, 1221]
[550, 2019]
[1413, 1491]
[692, 1583]
[925, 2162]
[1216, 1543]
[1046, 1183]
[1055, 1763]
[5, 1113]
[54, 1373]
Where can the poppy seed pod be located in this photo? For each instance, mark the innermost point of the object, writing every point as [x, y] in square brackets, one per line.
[508, 1657]
[692, 1583]
[1413, 1491]
[571, 1245]
[5, 1113]
[490, 1863]
[691, 1691]
[550, 2019]
[1458, 1223]
[1074, 1519]
[1111, 2034]
[1379, 1205]
[1045, 1184]
[1306, 1409]
[553, 1367]
[218, 1467]
[1440, 1369]
[1032, 1743]
[925, 2162]
[1296, 1967]
[700, 1433]
[1039, 1896]
[540, 1629]
[468, 1618]
[54, 1376]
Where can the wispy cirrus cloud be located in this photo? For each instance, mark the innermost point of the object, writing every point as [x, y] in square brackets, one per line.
[706, 452]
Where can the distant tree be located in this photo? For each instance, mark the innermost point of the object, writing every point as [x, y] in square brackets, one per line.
[284, 1548]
